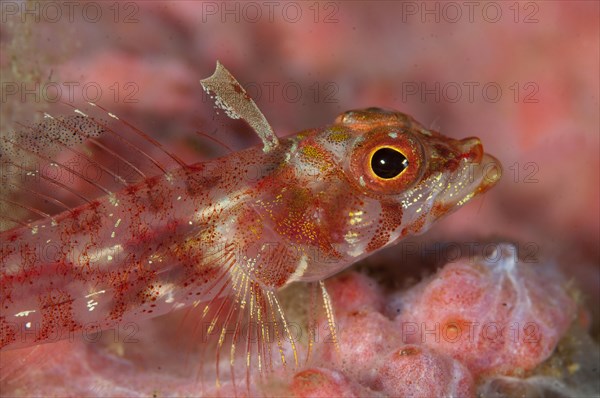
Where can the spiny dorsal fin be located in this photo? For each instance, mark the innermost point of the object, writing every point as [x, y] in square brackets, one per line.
[232, 98]
[67, 160]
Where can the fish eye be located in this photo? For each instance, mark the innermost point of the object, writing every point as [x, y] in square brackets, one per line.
[388, 163]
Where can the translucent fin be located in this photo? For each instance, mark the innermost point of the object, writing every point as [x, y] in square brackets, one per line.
[68, 160]
[311, 320]
[319, 308]
[213, 139]
[328, 306]
[232, 98]
[249, 319]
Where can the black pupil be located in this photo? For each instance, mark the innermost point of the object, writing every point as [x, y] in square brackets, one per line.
[388, 163]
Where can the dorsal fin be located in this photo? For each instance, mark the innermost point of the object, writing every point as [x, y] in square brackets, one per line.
[65, 161]
[233, 99]
[213, 139]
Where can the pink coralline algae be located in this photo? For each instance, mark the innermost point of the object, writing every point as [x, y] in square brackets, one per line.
[317, 382]
[417, 371]
[474, 320]
[495, 315]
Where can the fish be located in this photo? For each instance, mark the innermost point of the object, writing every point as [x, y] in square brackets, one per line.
[146, 233]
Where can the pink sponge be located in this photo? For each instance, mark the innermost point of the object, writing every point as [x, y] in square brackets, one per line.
[364, 338]
[320, 382]
[353, 291]
[417, 371]
[495, 314]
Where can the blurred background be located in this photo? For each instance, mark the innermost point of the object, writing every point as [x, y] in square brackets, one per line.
[522, 76]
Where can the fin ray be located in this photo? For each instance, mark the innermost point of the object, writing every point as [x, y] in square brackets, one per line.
[233, 99]
[68, 160]
[329, 312]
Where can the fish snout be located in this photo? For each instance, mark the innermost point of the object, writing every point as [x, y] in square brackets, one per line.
[471, 149]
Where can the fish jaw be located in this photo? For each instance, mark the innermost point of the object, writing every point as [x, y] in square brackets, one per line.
[466, 183]
[444, 193]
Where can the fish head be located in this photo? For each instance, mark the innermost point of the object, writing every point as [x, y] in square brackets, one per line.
[379, 176]
[393, 159]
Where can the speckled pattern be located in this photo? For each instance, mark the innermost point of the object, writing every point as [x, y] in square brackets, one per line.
[542, 126]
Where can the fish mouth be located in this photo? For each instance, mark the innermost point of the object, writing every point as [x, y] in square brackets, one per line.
[473, 173]
[488, 173]
[472, 178]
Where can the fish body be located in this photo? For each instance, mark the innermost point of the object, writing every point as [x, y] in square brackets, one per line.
[302, 212]
[242, 227]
